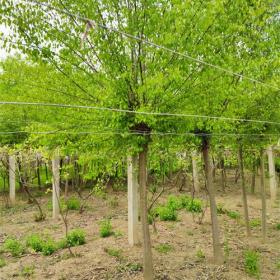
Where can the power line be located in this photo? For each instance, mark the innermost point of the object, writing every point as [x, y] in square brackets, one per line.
[195, 116]
[135, 132]
[93, 23]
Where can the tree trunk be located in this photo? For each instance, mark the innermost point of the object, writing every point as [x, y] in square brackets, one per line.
[263, 196]
[55, 188]
[244, 194]
[272, 175]
[12, 179]
[253, 182]
[132, 195]
[148, 262]
[223, 174]
[195, 173]
[38, 164]
[218, 252]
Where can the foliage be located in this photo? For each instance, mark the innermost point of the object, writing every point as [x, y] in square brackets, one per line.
[200, 255]
[2, 262]
[252, 263]
[27, 271]
[195, 206]
[14, 246]
[105, 228]
[277, 226]
[117, 253]
[38, 244]
[166, 214]
[233, 214]
[76, 237]
[164, 248]
[255, 223]
[35, 242]
[73, 203]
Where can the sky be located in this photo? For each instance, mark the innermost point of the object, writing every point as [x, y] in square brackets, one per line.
[4, 31]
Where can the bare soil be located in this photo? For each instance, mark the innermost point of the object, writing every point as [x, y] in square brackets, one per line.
[186, 237]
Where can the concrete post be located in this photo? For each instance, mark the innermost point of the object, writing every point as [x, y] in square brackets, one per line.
[55, 186]
[12, 178]
[272, 175]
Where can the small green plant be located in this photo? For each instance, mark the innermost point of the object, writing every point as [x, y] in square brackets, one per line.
[221, 210]
[105, 228]
[277, 226]
[255, 223]
[233, 214]
[113, 202]
[278, 265]
[251, 262]
[117, 253]
[166, 214]
[14, 247]
[164, 248]
[73, 203]
[118, 234]
[226, 249]
[35, 242]
[49, 247]
[2, 262]
[174, 203]
[76, 237]
[195, 206]
[134, 266]
[200, 255]
[27, 271]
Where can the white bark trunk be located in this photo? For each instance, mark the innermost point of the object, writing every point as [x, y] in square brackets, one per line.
[133, 204]
[55, 187]
[12, 179]
[272, 175]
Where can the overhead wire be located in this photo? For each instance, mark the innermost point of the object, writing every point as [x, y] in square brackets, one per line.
[167, 114]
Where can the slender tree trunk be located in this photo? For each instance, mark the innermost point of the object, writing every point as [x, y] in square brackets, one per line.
[38, 164]
[195, 172]
[272, 175]
[244, 194]
[148, 261]
[46, 171]
[56, 187]
[253, 182]
[132, 195]
[12, 179]
[223, 174]
[217, 247]
[263, 196]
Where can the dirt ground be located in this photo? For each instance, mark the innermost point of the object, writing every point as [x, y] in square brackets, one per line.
[186, 237]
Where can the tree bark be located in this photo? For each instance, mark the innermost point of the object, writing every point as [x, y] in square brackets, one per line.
[55, 186]
[272, 175]
[195, 173]
[244, 194]
[253, 182]
[263, 196]
[132, 196]
[217, 248]
[148, 262]
[12, 179]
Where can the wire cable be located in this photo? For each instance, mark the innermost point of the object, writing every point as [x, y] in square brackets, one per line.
[195, 116]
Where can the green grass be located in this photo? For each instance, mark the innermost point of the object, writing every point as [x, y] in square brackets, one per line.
[27, 271]
[252, 263]
[166, 214]
[255, 223]
[76, 237]
[2, 262]
[105, 228]
[277, 226]
[38, 244]
[117, 253]
[14, 247]
[164, 248]
[200, 255]
[73, 203]
[233, 215]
